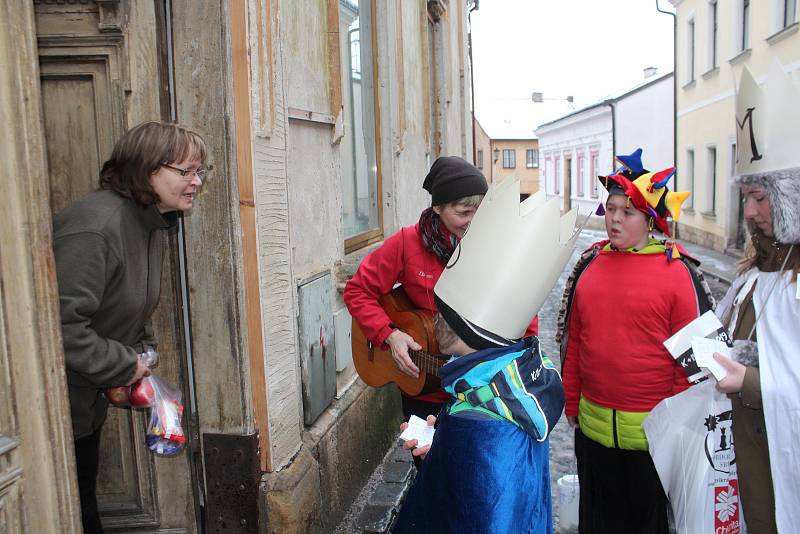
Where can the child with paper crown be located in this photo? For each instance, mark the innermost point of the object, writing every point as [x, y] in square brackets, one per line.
[762, 310]
[487, 469]
[626, 295]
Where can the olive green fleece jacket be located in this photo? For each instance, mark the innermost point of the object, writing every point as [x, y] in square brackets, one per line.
[108, 254]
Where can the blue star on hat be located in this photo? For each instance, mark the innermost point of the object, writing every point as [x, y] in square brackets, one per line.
[633, 161]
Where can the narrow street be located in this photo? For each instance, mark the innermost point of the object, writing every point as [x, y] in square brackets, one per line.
[372, 512]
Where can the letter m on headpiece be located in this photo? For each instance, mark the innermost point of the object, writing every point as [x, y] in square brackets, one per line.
[747, 121]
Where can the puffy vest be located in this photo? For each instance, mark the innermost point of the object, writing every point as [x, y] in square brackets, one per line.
[612, 428]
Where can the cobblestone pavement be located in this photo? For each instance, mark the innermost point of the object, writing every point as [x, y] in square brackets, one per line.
[362, 516]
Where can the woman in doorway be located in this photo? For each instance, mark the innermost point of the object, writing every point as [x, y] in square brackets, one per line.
[109, 247]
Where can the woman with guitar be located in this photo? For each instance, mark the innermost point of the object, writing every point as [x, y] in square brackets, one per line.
[415, 258]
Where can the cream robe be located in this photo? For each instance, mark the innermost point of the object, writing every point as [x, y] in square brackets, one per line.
[778, 331]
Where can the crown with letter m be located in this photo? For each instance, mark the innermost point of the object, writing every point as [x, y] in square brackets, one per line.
[509, 260]
[767, 119]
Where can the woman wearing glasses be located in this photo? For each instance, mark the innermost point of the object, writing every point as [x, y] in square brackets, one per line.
[108, 248]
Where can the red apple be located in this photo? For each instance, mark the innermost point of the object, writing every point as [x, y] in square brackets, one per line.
[119, 396]
[142, 394]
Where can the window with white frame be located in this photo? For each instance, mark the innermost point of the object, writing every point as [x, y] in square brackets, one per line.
[557, 175]
[581, 173]
[711, 180]
[713, 35]
[531, 158]
[547, 170]
[789, 12]
[509, 158]
[479, 159]
[689, 204]
[690, 51]
[595, 188]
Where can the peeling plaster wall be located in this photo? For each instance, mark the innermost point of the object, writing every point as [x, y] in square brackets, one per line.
[457, 135]
[404, 197]
[408, 152]
[304, 30]
[277, 284]
[314, 161]
[315, 202]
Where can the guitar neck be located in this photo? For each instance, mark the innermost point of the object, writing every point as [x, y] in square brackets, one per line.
[427, 362]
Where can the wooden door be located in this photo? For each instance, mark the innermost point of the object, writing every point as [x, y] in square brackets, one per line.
[101, 68]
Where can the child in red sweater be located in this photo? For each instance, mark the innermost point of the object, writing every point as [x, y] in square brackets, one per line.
[626, 296]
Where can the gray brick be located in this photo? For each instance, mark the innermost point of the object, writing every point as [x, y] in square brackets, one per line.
[397, 471]
[375, 519]
[399, 454]
[388, 494]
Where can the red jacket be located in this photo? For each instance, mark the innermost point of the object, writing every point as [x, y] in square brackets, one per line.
[625, 305]
[401, 259]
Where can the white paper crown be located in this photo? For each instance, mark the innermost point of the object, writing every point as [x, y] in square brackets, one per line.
[767, 119]
[508, 261]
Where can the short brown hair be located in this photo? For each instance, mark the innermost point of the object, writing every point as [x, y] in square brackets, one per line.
[445, 335]
[141, 151]
[472, 201]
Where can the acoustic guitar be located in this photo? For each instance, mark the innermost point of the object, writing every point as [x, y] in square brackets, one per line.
[376, 367]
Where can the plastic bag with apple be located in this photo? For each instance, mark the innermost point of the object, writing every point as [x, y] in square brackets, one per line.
[164, 431]
[140, 394]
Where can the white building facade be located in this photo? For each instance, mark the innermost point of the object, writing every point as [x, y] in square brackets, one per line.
[575, 149]
[644, 118]
[578, 147]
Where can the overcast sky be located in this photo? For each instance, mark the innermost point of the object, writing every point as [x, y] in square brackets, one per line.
[589, 49]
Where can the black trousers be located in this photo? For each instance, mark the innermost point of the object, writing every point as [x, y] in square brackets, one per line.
[87, 454]
[421, 409]
[620, 492]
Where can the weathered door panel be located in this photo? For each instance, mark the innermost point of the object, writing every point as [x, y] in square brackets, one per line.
[11, 511]
[101, 73]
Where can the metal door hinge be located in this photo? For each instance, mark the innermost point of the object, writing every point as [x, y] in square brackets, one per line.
[233, 473]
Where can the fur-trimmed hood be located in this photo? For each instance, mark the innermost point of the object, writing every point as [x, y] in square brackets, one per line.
[783, 192]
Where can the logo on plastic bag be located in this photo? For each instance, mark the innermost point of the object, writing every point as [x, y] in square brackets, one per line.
[720, 455]
[719, 442]
[726, 508]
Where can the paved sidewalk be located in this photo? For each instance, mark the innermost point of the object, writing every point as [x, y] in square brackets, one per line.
[713, 263]
[375, 509]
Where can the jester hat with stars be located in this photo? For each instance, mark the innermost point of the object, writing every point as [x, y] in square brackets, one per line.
[646, 190]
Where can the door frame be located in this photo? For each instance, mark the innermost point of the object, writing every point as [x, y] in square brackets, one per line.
[39, 449]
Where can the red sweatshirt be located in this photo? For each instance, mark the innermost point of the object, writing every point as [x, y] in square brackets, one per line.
[625, 305]
[401, 259]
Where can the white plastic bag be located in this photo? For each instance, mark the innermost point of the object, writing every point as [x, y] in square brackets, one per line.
[692, 447]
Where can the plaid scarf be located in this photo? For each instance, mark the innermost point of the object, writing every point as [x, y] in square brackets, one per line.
[436, 237]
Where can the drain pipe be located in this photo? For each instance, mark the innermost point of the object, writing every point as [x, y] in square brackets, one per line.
[611, 103]
[472, 77]
[674, 92]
